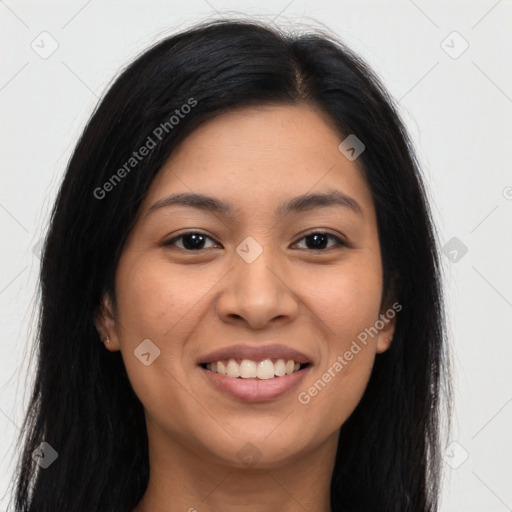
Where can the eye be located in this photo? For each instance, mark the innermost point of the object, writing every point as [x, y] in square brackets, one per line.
[194, 241]
[318, 239]
[191, 241]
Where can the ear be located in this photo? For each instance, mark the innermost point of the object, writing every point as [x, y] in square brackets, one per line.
[388, 319]
[105, 322]
[388, 314]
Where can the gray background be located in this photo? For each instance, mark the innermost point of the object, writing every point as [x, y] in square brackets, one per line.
[457, 104]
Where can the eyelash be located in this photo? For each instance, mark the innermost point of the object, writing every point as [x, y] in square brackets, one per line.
[340, 242]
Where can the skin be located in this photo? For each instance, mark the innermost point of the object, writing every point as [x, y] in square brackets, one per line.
[191, 303]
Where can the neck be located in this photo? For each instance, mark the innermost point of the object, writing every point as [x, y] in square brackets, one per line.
[185, 480]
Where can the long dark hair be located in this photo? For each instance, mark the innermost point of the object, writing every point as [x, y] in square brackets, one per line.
[83, 404]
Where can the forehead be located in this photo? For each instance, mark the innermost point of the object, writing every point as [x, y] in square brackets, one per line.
[263, 154]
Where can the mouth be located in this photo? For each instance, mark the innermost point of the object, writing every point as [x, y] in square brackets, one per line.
[254, 372]
[253, 380]
[265, 369]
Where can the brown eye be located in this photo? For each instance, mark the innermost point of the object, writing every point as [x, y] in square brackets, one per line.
[318, 240]
[190, 241]
[194, 241]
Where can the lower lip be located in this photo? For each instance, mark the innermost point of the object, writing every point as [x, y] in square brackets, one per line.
[256, 390]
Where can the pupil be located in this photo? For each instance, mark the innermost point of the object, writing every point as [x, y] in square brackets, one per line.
[197, 240]
[316, 237]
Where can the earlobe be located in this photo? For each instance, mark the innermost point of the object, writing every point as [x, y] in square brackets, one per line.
[389, 311]
[387, 321]
[383, 344]
[105, 323]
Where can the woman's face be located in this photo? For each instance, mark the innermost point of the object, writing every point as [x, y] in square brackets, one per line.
[254, 287]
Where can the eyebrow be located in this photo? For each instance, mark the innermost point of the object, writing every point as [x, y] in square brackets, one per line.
[298, 204]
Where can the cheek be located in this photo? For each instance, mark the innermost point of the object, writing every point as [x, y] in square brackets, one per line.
[156, 302]
[347, 299]
[160, 302]
[336, 390]
[338, 383]
[347, 302]
[154, 297]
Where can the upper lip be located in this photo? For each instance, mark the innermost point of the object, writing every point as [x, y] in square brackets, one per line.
[255, 353]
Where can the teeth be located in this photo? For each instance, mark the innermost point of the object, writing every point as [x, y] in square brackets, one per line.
[247, 369]
[265, 369]
[221, 368]
[233, 369]
[280, 368]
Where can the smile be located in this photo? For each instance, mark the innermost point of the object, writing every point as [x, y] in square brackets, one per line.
[250, 369]
[256, 389]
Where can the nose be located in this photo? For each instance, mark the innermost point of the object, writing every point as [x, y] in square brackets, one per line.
[258, 293]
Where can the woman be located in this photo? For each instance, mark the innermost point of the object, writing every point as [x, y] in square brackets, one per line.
[244, 226]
